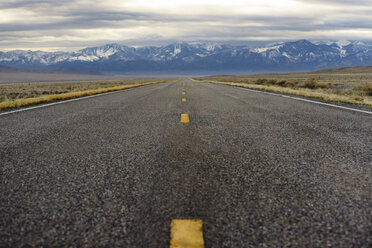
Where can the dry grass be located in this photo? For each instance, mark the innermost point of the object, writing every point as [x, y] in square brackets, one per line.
[352, 93]
[364, 89]
[310, 83]
[45, 76]
[31, 90]
[335, 78]
[18, 95]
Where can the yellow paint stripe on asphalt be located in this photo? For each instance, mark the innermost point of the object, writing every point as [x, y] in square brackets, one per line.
[184, 100]
[185, 118]
[183, 93]
[186, 233]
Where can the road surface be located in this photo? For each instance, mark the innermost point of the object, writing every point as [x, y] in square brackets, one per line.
[258, 170]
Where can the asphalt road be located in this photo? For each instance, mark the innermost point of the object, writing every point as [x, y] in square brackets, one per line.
[115, 170]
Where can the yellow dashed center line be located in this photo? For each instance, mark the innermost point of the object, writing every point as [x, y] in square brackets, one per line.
[186, 233]
[183, 93]
[184, 100]
[185, 118]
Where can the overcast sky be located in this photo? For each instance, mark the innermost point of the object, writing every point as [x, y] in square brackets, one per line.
[73, 24]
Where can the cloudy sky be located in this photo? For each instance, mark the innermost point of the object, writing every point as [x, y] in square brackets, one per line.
[52, 25]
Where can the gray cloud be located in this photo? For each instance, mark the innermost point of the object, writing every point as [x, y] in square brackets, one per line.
[32, 3]
[73, 24]
[338, 2]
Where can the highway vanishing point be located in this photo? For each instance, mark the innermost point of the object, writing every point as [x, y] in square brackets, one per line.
[227, 166]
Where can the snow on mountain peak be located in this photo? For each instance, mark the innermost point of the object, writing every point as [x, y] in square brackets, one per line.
[339, 43]
[177, 49]
[209, 54]
[265, 49]
[342, 43]
[106, 53]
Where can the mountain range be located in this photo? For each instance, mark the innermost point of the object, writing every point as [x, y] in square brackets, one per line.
[198, 57]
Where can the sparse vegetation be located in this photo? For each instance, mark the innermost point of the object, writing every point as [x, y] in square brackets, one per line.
[355, 88]
[364, 89]
[311, 83]
[18, 95]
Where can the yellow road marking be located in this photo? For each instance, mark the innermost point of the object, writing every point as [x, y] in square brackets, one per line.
[183, 93]
[184, 100]
[186, 233]
[185, 118]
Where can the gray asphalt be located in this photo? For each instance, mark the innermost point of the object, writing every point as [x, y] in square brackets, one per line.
[114, 170]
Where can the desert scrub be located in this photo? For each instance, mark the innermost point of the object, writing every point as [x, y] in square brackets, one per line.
[281, 83]
[343, 92]
[32, 90]
[320, 93]
[261, 81]
[358, 98]
[350, 85]
[312, 83]
[364, 89]
[18, 95]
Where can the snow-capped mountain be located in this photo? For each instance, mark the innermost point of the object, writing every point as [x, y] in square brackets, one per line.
[199, 56]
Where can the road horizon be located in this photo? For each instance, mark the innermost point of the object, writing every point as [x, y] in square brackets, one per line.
[123, 169]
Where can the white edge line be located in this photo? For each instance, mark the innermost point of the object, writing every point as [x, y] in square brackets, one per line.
[306, 100]
[65, 101]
